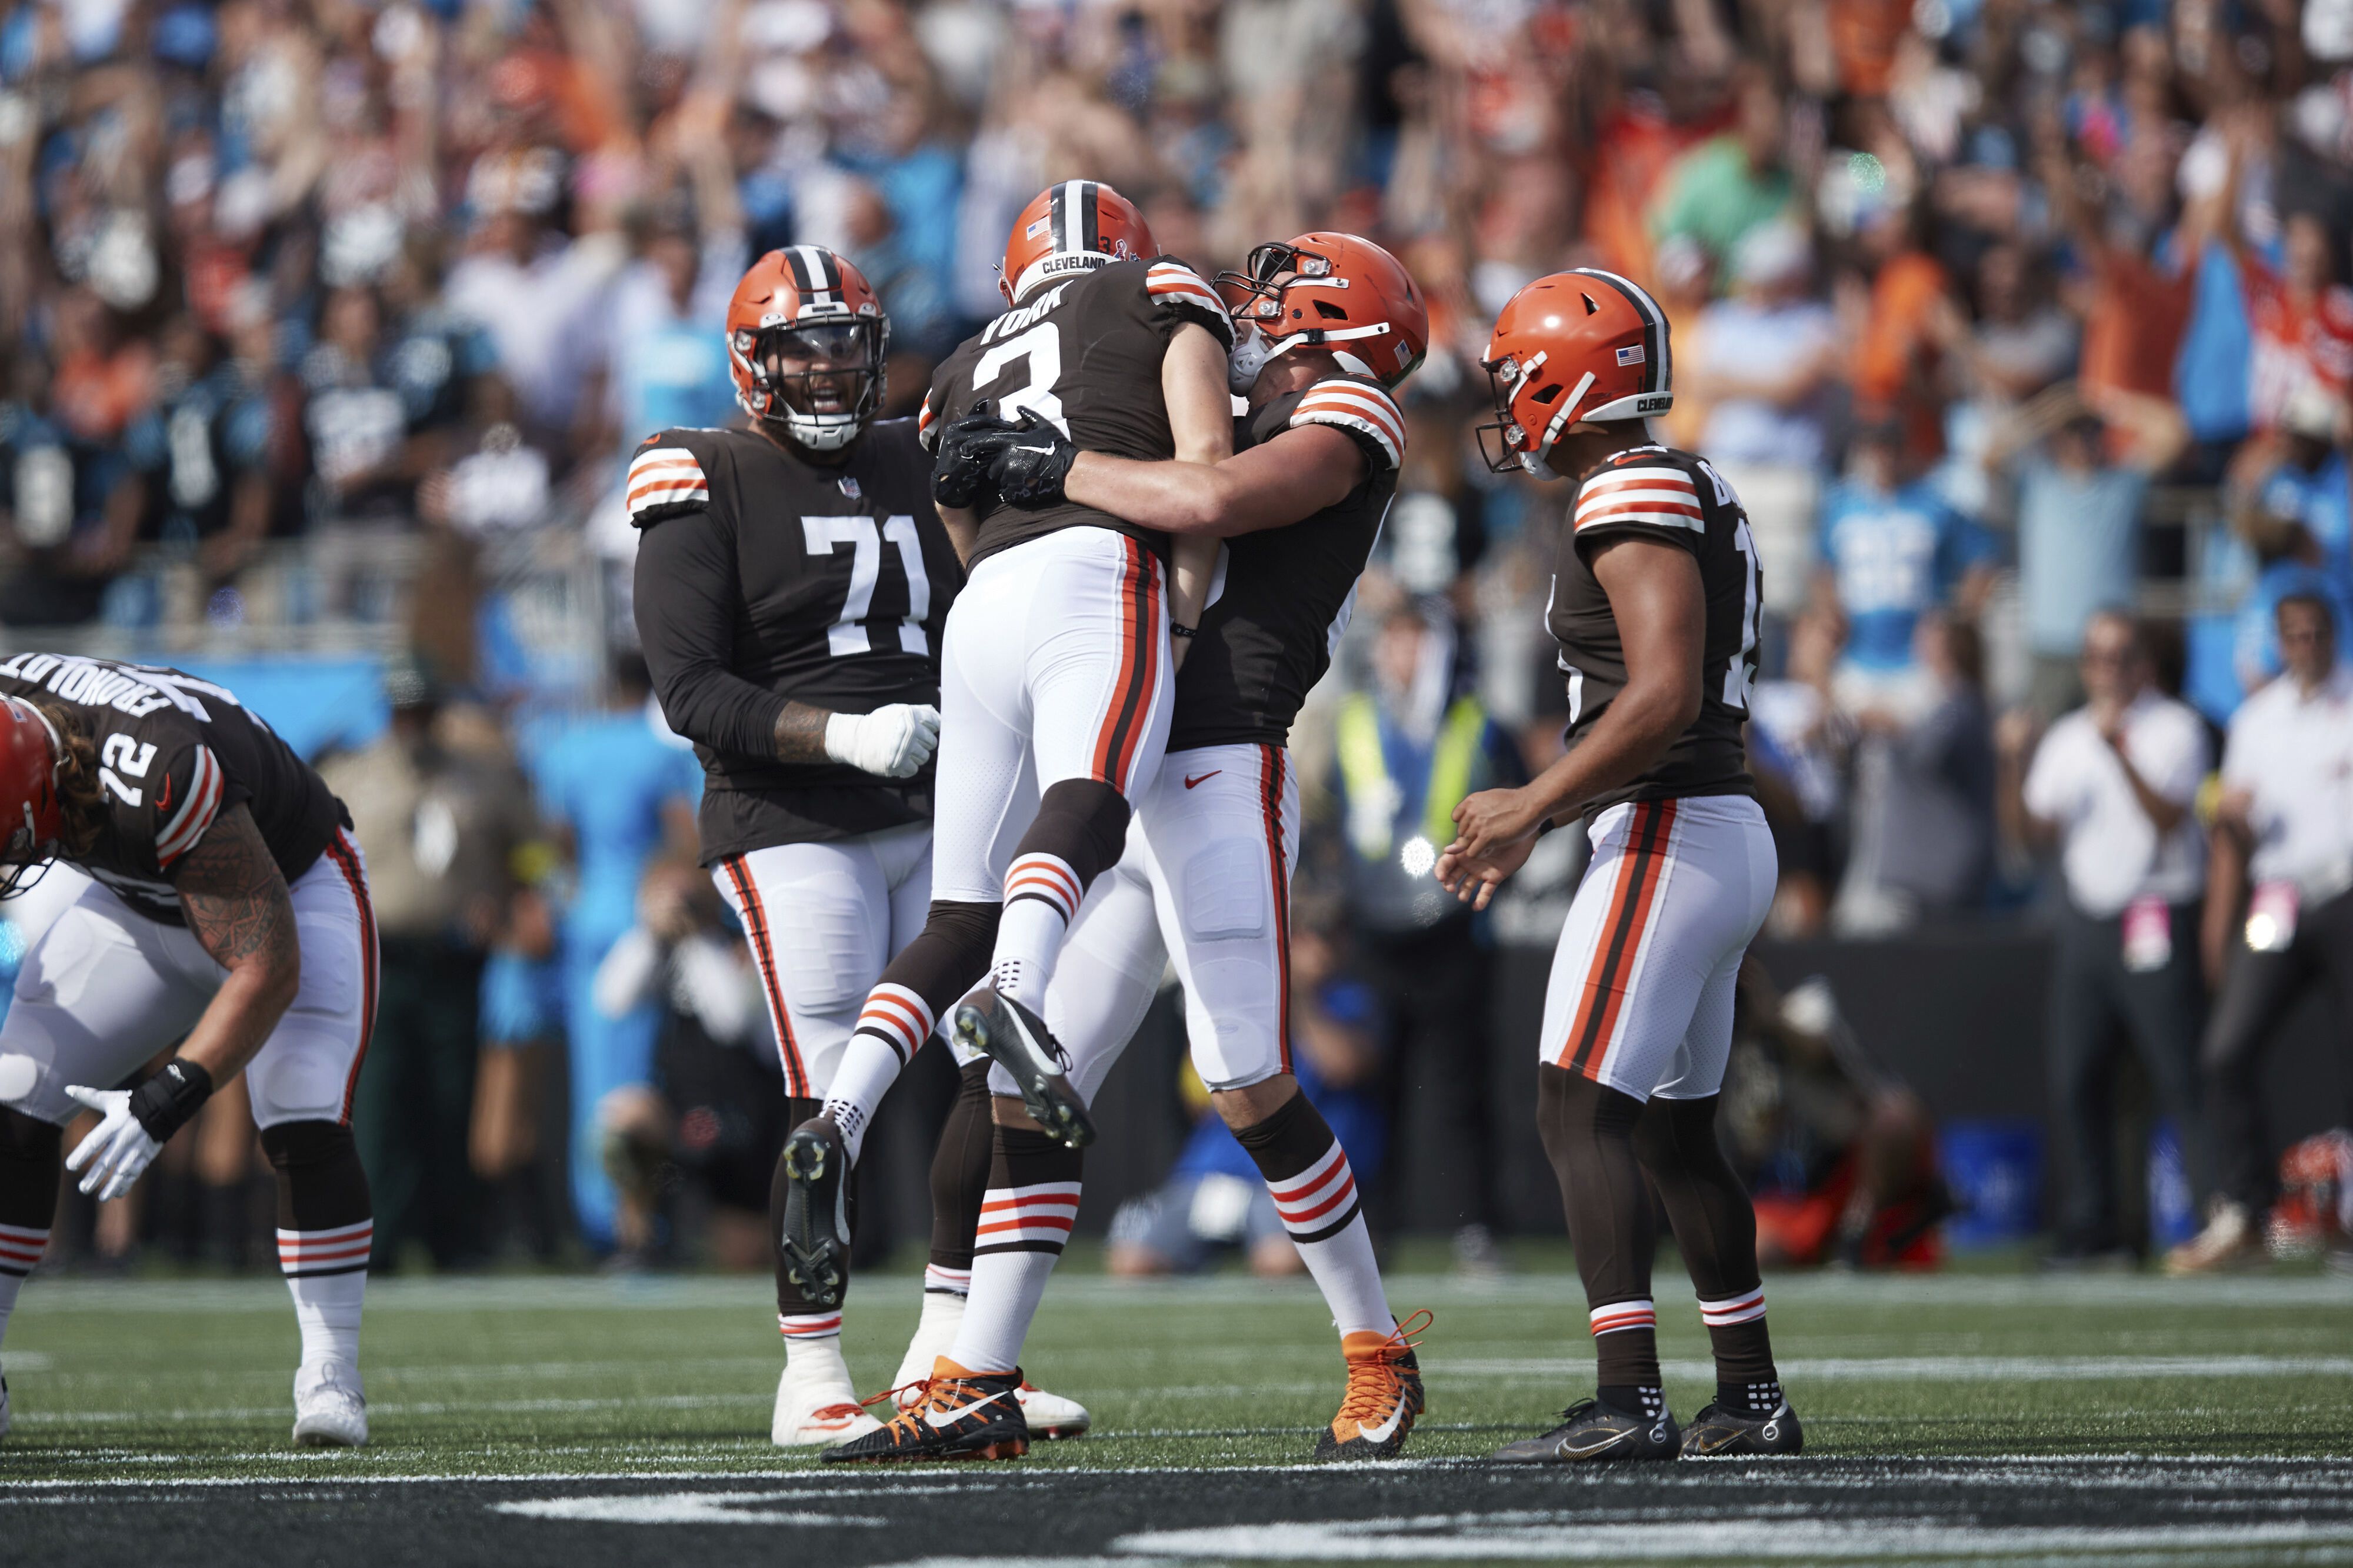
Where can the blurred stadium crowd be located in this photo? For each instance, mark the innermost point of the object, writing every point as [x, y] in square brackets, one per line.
[329, 323]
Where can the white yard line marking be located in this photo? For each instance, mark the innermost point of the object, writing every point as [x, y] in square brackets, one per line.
[1556, 1537]
[1947, 1369]
[682, 1507]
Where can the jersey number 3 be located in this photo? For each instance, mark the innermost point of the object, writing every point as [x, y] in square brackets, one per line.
[847, 634]
[1041, 346]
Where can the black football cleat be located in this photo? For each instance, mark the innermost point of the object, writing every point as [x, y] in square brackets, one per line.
[1718, 1433]
[1019, 1042]
[814, 1235]
[1593, 1433]
[962, 1415]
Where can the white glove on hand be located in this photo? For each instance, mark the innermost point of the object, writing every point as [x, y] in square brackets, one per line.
[118, 1151]
[891, 743]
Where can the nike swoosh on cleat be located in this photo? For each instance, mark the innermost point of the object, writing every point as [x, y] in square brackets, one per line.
[1387, 1429]
[1191, 781]
[1603, 1447]
[940, 1418]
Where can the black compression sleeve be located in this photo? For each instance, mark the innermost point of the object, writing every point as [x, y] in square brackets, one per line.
[685, 601]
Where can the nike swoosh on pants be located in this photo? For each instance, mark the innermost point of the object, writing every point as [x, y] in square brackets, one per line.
[1191, 781]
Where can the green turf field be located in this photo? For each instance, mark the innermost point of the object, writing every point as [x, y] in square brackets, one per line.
[175, 1384]
[518, 1374]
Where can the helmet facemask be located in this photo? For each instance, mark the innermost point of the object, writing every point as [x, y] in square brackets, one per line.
[1504, 442]
[822, 380]
[1256, 299]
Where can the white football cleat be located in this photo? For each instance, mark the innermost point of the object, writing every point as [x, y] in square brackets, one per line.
[1050, 1415]
[330, 1411]
[810, 1412]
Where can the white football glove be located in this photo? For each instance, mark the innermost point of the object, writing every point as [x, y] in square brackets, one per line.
[117, 1151]
[892, 743]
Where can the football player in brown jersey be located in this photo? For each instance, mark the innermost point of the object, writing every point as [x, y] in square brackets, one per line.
[1656, 605]
[1327, 326]
[793, 585]
[1057, 678]
[227, 920]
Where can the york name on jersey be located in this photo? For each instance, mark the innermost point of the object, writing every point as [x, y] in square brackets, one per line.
[1669, 498]
[1281, 597]
[763, 579]
[1084, 356]
[174, 752]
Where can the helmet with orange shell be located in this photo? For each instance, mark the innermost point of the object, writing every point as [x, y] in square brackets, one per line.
[1576, 347]
[1325, 291]
[32, 813]
[1071, 227]
[804, 305]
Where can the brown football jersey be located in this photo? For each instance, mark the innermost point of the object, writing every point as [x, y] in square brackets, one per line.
[1083, 355]
[174, 752]
[1281, 597]
[1672, 497]
[763, 578]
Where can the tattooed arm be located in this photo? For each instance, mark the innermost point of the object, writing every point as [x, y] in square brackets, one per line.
[800, 733]
[235, 900]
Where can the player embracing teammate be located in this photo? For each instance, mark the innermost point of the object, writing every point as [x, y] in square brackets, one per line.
[1326, 325]
[1656, 605]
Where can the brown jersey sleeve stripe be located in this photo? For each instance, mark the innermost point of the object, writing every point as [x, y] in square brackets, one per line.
[1622, 935]
[755, 931]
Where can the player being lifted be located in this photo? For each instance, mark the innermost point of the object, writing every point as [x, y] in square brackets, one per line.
[1327, 326]
[792, 586]
[230, 914]
[1057, 679]
[1654, 604]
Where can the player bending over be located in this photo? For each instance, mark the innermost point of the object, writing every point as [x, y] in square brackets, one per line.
[1328, 325]
[792, 586]
[229, 912]
[1654, 604]
[1057, 678]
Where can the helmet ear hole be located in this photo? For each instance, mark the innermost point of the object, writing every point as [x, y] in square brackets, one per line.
[1329, 312]
[1548, 393]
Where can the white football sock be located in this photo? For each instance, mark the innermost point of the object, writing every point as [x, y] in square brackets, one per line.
[327, 1307]
[1031, 932]
[813, 1350]
[935, 1336]
[21, 1248]
[869, 1067]
[1345, 1271]
[1006, 1287]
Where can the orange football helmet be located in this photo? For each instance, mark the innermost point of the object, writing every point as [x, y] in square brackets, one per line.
[1326, 289]
[1076, 225]
[805, 305]
[1578, 346]
[31, 816]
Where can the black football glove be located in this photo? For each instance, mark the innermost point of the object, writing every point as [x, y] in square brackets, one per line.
[1032, 464]
[960, 467]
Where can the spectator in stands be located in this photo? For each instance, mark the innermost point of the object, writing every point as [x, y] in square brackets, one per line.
[1892, 551]
[444, 827]
[69, 511]
[1407, 752]
[619, 790]
[1924, 795]
[1799, 743]
[200, 456]
[2113, 788]
[1760, 363]
[1728, 185]
[2083, 472]
[2279, 907]
[1213, 1197]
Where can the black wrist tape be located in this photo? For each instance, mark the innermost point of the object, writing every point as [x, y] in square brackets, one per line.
[165, 1102]
[1176, 631]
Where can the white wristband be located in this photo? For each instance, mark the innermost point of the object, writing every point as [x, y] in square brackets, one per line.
[841, 737]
